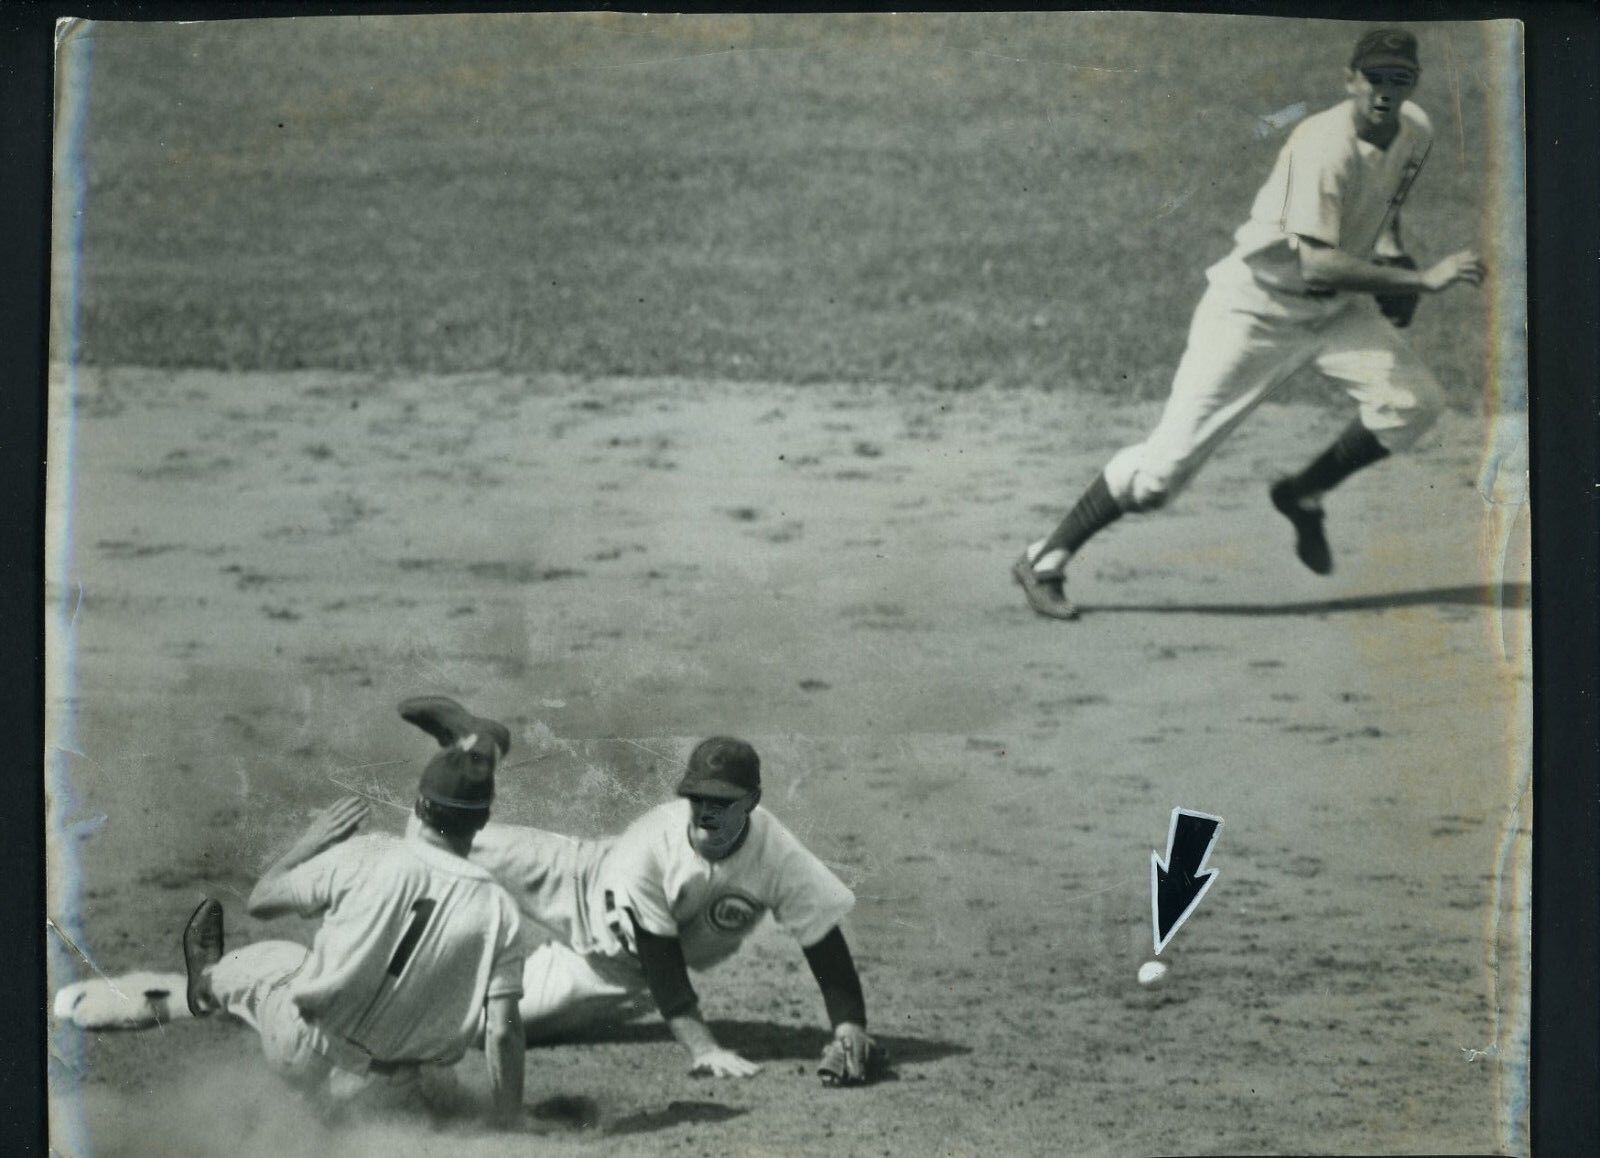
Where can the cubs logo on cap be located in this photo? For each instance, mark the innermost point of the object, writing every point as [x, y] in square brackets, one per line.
[722, 768]
[1385, 48]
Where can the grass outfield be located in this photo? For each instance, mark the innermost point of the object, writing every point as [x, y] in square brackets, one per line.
[935, 199]
[703, 287]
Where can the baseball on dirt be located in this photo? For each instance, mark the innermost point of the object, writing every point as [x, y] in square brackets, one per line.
[1152, 973]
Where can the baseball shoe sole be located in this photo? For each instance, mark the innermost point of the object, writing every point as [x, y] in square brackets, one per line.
[1046, 594]
[450, 723]
[1310, 540]
[202, 948]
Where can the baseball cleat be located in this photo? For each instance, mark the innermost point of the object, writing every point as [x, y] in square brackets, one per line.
[1046, 594]
[450, 723]
[202, 948]
[1310, 541]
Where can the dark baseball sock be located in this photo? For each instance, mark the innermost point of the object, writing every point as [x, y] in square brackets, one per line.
[1355, 448]
[1094, 512]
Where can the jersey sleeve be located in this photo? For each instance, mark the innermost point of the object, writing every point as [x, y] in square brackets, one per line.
[636, 876]
[505, 974]
[1314, 192]
[666, 973]
[316, 886]
[810, 899]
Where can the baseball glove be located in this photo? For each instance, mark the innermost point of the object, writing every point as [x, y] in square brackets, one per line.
[852, 1058]
[1399, 308]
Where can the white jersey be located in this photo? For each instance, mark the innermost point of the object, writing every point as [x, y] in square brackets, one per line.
[583, 890]
[1329, 185]
[413, 941]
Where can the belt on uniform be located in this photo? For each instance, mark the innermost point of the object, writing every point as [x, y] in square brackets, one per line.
[389, 1068]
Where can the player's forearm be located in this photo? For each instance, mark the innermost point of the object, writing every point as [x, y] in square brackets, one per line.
[706, 1057]
[667, 976]
[691, 1032]
[507, 1057]
[835, 972]
[333, 825]
[505, 1049]
[1325, 268]
[269, 898]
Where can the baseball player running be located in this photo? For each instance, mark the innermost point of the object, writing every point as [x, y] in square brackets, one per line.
[682, 887]
[1323, 233]
[418, 947]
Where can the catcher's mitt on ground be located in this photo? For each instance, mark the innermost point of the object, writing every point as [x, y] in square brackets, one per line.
[852, 1058]
[1399, 308]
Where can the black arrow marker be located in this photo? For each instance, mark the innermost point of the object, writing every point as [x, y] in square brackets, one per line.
[1178, 883]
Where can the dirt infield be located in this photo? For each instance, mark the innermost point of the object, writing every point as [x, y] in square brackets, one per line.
[639, 378]
[261, 565]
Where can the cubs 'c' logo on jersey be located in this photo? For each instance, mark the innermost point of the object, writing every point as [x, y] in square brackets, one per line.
[733, 913]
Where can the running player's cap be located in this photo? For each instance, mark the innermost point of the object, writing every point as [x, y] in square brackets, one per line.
[460, 778]
[722, 768]
[1385, 48]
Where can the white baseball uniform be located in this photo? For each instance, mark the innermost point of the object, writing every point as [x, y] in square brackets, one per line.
[582, 892]
[1259, 322]
[413, 942]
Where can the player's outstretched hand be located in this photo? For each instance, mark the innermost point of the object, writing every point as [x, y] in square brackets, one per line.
[1465, 267]
[338, 822]
[723, 1063]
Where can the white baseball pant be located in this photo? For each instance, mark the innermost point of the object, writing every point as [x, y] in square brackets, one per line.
[253, 984]
[565, 992]
[1243, 343]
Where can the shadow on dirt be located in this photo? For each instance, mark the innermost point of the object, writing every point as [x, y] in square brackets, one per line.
[766, 1041]
[572, 1114]
[1510, 596]
[675, 1114]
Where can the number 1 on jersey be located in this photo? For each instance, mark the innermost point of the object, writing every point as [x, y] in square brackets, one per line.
[421, 913]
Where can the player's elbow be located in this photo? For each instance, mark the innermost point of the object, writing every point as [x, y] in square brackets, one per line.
[257, 905]
[263, 903]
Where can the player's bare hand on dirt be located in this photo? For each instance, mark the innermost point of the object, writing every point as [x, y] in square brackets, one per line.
[1465, 267]
[723, 1063]
[336, 823]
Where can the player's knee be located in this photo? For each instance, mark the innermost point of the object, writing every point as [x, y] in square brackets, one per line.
[1427, 403]
[1144, 501]
[1153, 490]
[1411, 414]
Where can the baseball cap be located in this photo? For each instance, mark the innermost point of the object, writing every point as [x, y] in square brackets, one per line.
[460, 778]
[1385, 48]
[722, 768]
